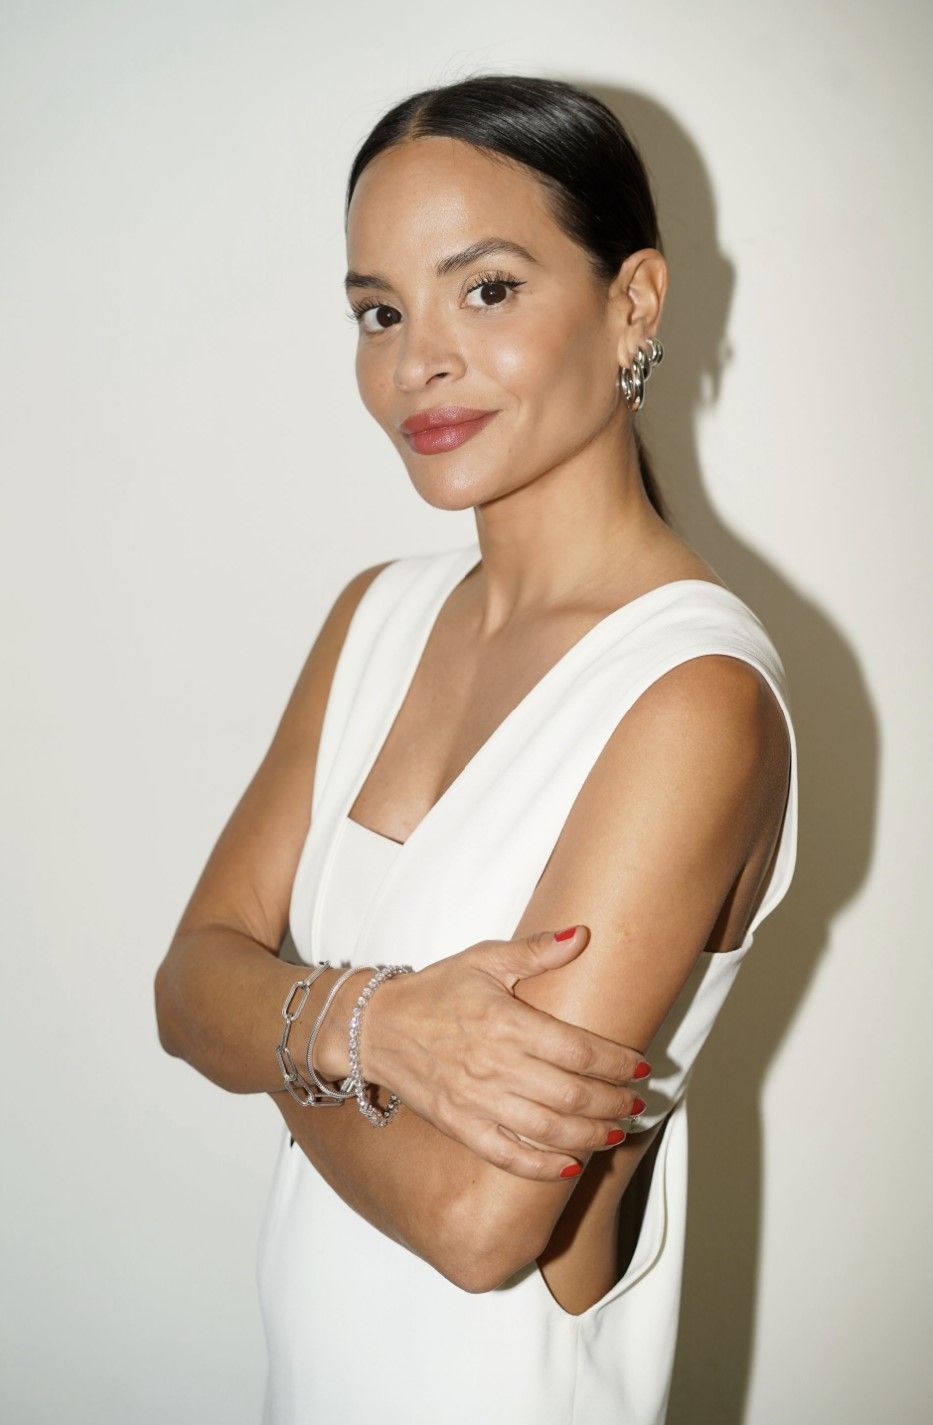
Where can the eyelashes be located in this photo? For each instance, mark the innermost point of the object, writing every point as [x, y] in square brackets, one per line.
[358, 310]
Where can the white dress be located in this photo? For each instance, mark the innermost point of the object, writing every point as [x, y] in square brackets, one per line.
[361, 1331]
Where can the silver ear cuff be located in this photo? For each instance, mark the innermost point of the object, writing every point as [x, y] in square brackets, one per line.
[632, 378]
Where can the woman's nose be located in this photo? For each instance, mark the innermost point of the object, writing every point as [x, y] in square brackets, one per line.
[425, 350]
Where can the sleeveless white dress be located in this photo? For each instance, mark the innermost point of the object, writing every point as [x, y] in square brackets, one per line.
[361, 1331]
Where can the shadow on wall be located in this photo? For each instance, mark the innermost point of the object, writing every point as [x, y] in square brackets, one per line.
[837, 739]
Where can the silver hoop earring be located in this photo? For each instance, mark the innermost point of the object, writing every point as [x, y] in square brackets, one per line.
[632, 378]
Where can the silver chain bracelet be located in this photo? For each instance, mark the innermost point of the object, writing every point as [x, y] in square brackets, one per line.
[293, 1080]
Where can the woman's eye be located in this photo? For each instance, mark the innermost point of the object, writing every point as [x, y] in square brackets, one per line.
[494, 291]
[360, 314]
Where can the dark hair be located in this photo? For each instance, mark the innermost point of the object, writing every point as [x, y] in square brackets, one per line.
[599, 191]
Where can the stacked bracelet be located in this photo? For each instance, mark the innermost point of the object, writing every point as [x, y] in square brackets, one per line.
[324, 1094]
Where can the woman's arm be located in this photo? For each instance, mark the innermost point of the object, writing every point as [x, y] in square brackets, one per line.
[219, 1000]
[670, 837]
[216, 997]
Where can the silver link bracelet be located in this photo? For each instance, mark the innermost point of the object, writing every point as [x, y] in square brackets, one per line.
[293, 1080]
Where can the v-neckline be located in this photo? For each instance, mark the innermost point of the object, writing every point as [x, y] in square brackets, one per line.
[467, 559]
[371, 831]
[462, 562]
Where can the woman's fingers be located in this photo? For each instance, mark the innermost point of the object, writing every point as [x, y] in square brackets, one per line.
[551, 1128]
[575, 1096]
[577, 1050]
[584, 1053]
[513, 960]
[499, 1146]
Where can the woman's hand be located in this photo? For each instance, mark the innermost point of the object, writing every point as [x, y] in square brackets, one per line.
[487, 1069]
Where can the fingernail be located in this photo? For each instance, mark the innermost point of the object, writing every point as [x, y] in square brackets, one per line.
[564, 934]
[642, 1070]
[615, 1135]
[638, 1106]
[571, 1170]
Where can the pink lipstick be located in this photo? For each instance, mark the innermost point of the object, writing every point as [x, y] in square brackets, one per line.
[444, 428]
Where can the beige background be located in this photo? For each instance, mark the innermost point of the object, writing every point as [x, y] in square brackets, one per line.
[190, 478]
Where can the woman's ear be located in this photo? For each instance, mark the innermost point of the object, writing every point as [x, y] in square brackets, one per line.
[637, 297]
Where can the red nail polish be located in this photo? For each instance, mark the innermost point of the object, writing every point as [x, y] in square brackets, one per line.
[638, 1106]
[615, 1135]
[564, 934]
[571, 1170]
[642, 1070]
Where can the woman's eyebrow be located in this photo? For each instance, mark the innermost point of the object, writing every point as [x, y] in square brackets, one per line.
[484, 248]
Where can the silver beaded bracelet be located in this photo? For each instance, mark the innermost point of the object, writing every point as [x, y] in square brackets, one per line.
[377, 1117]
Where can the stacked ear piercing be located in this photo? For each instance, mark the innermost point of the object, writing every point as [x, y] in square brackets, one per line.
[632, 378]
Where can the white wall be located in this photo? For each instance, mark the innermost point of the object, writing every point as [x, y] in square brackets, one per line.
[190, 477]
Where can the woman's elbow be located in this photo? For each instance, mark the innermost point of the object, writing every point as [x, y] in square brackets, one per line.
[165, 1020]
[488, 1253]
[487, 1273]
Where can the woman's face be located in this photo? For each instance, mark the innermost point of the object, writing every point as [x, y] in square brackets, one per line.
[543, 354]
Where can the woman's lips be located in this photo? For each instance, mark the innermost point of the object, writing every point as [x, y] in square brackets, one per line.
[440, 438]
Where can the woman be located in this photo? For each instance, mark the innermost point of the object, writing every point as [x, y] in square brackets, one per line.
[570, 723]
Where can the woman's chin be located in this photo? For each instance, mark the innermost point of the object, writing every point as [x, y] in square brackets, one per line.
[455, 489]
